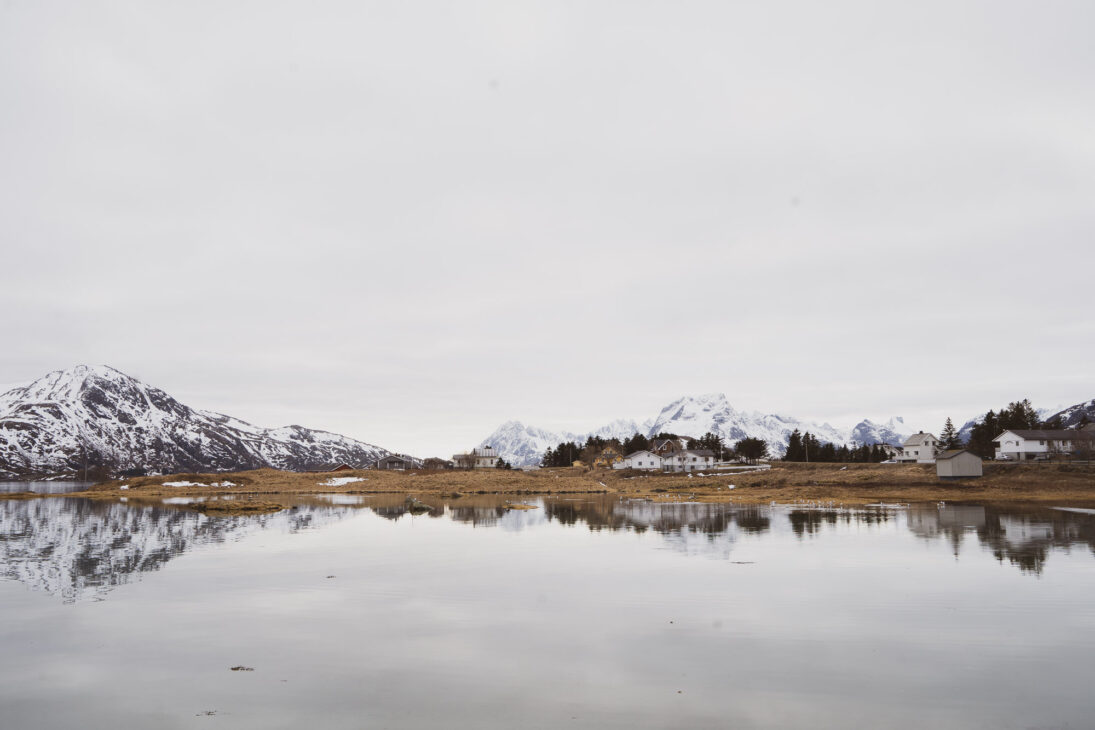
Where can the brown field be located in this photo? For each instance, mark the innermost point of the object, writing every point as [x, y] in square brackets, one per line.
[267, 489]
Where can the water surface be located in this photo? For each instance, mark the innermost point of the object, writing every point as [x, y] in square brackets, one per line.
[44, 487]
[583, 612]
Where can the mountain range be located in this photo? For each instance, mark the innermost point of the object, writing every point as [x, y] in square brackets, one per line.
[693, 416]
[99, 417]
[102, 418]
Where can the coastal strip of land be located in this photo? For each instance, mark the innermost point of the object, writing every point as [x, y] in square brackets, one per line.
[267, 490]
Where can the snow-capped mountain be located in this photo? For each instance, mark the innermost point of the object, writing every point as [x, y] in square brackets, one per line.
[523, 445]
[112, 420]
[893, 432]
[1071, 416]
[693, 416]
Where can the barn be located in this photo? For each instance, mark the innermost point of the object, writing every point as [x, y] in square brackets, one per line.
[957, 464]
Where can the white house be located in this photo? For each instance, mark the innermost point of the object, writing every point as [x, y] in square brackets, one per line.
[646, 460]
[919, 448]
[1028, 444]
[688, 460]
[481, 457]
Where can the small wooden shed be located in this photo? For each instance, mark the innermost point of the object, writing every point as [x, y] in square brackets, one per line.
[957, 464]
[393, 462]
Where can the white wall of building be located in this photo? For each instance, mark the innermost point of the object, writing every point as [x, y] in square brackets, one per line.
[687, 461]
[921, 448]
[646, 460]
[1017, 447]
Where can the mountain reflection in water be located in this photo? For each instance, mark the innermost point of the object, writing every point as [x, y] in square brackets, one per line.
[78, 549]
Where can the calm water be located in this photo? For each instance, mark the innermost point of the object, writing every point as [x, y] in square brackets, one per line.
[44, 487]
[582, 613]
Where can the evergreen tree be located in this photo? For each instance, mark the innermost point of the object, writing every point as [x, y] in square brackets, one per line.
[981, 435]
[948, 438]
[810, 447]
[710, 441]
[548, 459]
[638, 442]
[751, 448]
[1019, 415]
[794, 447]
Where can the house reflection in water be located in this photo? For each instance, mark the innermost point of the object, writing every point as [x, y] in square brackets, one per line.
[1023, 536]
[953, 521]
[76, 549]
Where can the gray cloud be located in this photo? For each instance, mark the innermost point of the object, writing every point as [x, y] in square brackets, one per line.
[407, 222]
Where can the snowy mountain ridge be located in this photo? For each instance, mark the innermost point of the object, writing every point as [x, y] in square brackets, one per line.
[693, 416]
[102, 417]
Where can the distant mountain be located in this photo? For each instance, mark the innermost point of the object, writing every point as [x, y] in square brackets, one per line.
[1073, 415]
[693, 416]
[893, 431]
[523, 445]
[111, 420]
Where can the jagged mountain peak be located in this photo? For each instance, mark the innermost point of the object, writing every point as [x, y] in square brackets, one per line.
[61, 384]
[693, 416]
[101, 417]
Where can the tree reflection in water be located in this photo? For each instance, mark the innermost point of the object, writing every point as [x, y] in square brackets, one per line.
[76, 548]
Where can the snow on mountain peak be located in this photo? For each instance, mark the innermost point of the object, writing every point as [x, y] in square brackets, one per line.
[692, 417]
[99, 416]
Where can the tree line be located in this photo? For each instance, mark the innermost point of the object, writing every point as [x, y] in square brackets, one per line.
[807, 447]
[1019, 415]
[567, 452]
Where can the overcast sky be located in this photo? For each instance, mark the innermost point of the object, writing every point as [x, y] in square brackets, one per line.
[409, 221]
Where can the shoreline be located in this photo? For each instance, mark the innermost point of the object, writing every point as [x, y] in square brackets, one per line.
[847, 484]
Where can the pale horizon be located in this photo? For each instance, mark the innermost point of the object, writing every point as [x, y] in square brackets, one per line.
[409, 224]
[445, 447]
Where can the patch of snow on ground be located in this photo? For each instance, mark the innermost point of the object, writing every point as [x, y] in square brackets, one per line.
[340, 481]
[183, 484]
[225, 483]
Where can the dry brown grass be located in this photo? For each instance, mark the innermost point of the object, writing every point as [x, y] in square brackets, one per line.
[854, 484]
[236, 507]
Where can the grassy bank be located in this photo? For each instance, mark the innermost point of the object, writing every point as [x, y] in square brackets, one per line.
[845, 484]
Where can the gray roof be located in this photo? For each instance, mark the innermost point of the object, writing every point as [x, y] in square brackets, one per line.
[641, 451]
[918, 438]
[1063, 434]
[953, 453]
